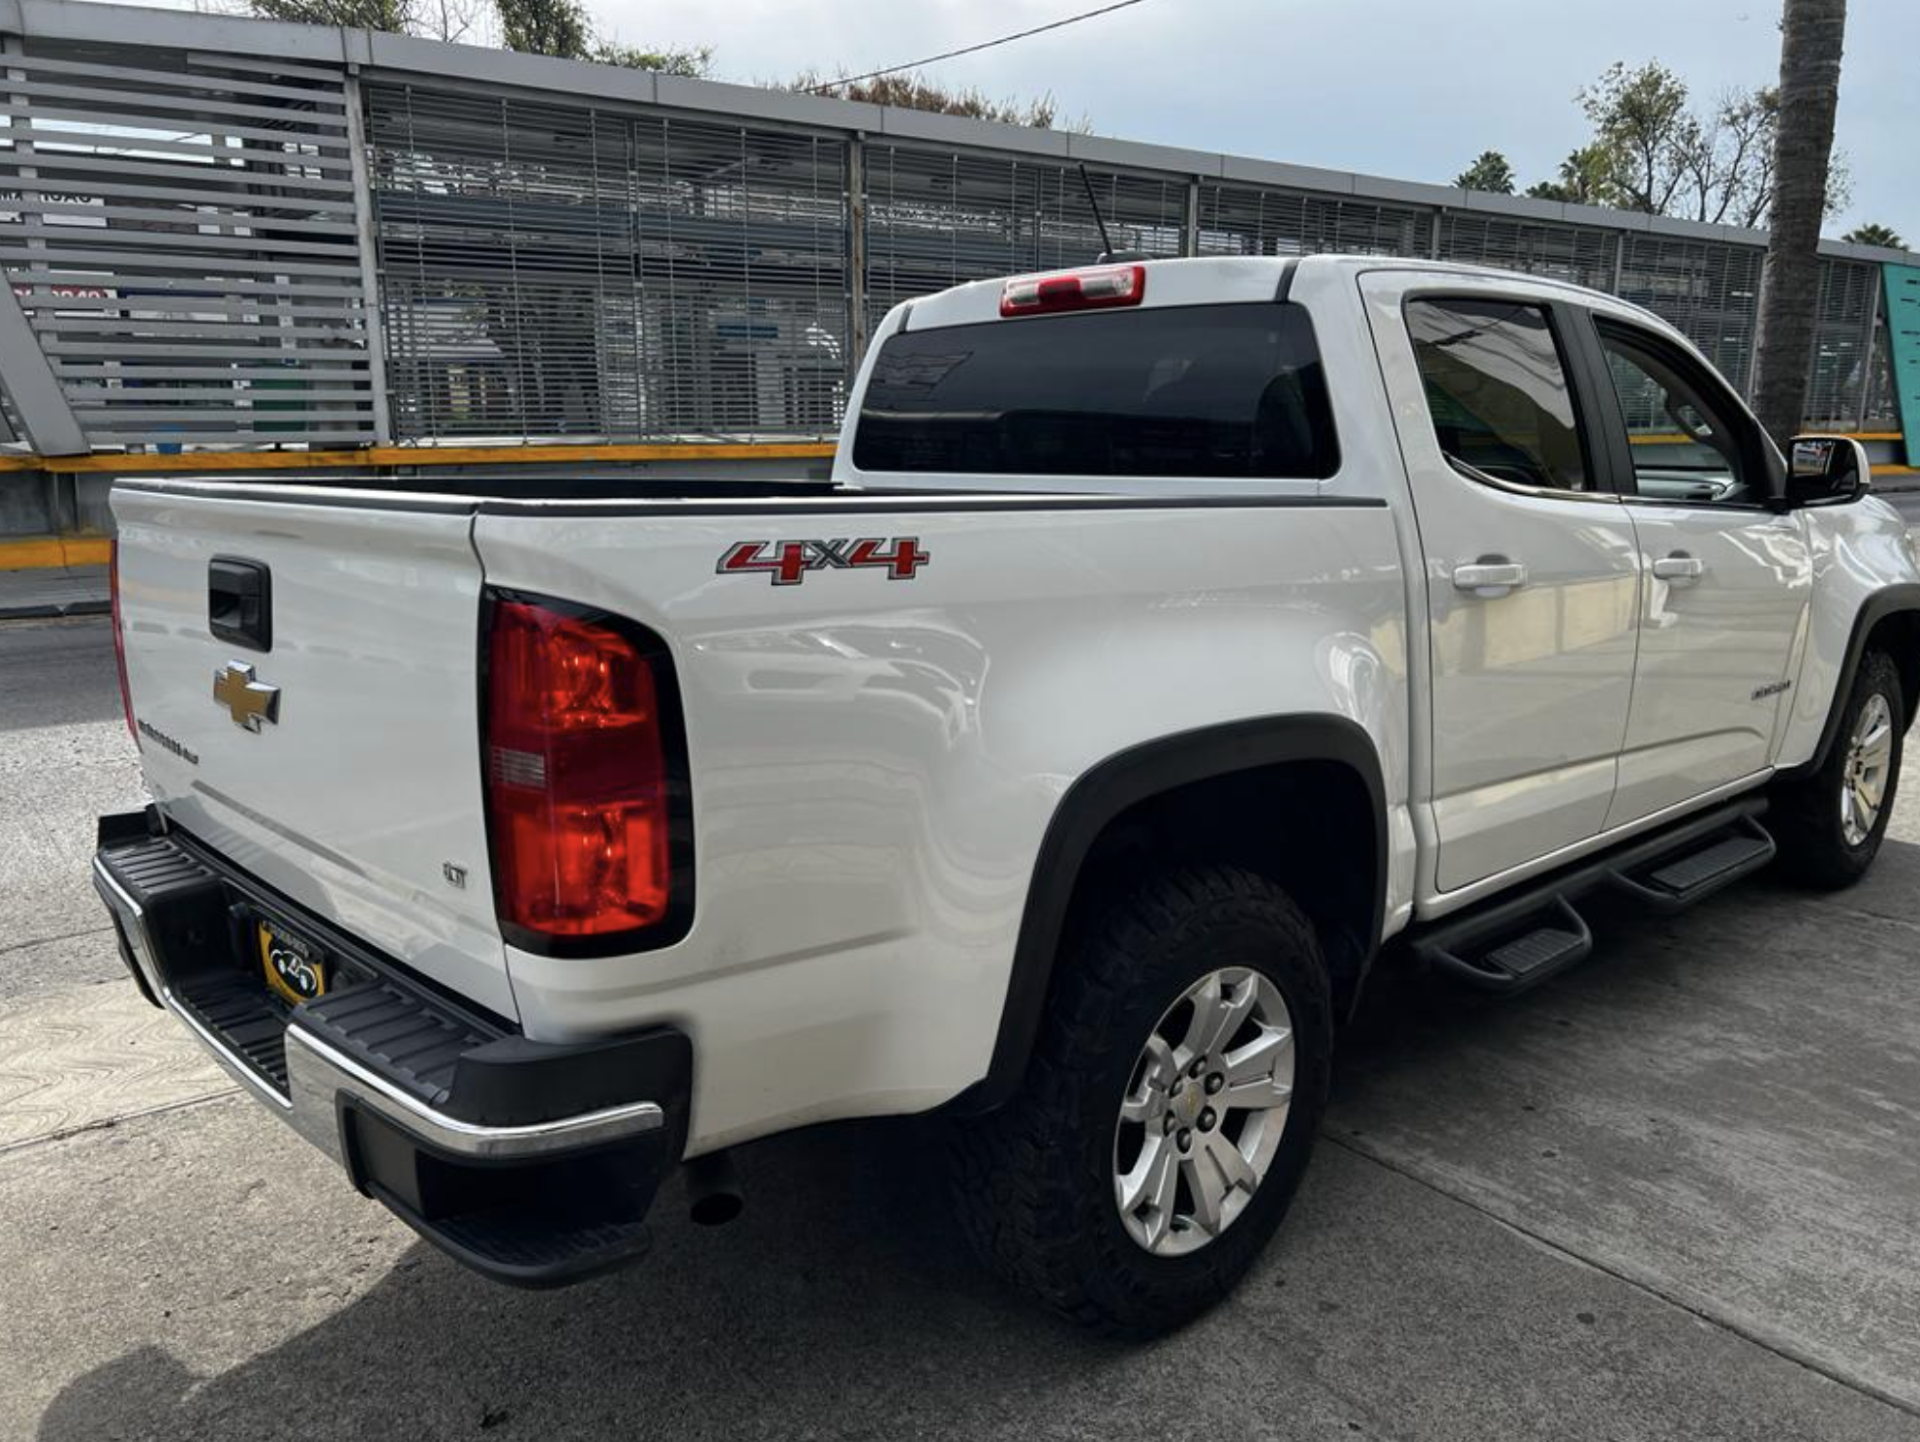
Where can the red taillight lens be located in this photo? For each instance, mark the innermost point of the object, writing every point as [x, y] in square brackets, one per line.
[579, 786]
[119, 638]
[1074, 290]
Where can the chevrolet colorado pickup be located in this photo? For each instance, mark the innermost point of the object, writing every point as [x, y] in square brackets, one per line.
[1171, 641]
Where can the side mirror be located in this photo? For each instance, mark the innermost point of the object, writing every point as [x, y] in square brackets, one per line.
[1827, 471]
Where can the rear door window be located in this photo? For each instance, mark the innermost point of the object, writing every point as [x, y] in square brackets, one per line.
[1208, 391]
[1497, 390]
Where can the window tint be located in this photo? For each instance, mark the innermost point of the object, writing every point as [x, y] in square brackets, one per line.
[1684, 437]
[1219, 390]
[1497, 390]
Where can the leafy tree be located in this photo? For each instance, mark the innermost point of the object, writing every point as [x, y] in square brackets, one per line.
[1726, 165]
[394, 16]
[563, 28]
[1641, 122]
[546, 27]
[1490, 172]
[451, 20]
[913, 91]
[1585, 178]
[1654, 151]
[1873, 233]
[1811, 35]
[694, 63]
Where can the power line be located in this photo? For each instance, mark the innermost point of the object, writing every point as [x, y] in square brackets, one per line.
[970, 49]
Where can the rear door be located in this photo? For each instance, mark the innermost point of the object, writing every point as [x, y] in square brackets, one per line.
[1728, 580]
[1532, 573]
[323, 732]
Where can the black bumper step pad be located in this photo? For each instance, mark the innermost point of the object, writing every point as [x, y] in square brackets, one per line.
[396, 1034]
[242, 1015]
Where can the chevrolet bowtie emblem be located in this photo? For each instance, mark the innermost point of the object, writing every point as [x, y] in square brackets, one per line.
[247, 700]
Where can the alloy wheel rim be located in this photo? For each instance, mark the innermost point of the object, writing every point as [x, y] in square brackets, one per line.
[1204, 1110]
[1863, 782]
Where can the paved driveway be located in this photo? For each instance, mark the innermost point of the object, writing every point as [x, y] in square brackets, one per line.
[1674, 1195]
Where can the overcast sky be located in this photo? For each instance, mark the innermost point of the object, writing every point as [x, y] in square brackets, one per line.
[1412, 89]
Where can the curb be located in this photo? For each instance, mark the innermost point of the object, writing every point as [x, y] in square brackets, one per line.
[55, 610]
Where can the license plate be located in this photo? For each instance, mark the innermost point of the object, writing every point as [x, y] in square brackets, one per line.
[294, 968]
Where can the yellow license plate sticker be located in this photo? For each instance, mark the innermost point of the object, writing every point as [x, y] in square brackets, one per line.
[293, 968]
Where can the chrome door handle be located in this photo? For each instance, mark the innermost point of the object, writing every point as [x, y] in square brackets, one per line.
[1490, 576]
[1679, 567]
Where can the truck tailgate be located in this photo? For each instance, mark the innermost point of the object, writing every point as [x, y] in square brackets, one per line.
[359, 795]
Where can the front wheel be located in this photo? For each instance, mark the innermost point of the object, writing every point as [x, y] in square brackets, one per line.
[1169, 1109]
[1830, 824]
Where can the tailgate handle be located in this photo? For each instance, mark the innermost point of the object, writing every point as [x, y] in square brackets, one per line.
[240, 602]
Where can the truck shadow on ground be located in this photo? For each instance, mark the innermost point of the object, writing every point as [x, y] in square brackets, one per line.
[843, 1288]
[844, 1303]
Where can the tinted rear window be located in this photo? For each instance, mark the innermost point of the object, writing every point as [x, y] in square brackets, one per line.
[1217, 390]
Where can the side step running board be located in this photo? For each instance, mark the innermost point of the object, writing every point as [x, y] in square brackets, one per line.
[1518, 941]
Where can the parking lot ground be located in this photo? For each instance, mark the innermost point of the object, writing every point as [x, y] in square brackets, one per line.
[1672, 1195]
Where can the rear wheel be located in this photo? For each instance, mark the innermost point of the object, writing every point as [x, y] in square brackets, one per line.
[1830, 824]
[1169, 1108]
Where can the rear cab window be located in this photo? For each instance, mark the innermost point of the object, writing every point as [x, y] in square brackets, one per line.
[1215, 391]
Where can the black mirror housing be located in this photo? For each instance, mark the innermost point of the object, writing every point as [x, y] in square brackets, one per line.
[1826, 470]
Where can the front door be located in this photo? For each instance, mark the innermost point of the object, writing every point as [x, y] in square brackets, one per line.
[1728, 580]
[1532, 573]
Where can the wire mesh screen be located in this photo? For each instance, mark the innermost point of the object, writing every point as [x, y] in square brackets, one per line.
[180, 230]
[1842, 358]
[935, 218]
[569, 271]
[1708, 290]
[1882, 409]
[743, 240]
[1580, 254]
[1246, 220]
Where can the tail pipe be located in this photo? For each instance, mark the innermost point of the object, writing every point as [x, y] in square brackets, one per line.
[713, 1189]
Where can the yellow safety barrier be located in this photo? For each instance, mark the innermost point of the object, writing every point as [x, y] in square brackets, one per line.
[36, 553]
[45, 552]
[209, 462]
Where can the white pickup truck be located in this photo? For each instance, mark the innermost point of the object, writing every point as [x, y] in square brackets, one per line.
[1173, 641]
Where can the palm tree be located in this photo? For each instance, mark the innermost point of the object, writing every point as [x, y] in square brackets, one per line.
[1874, 233]
[1811, 36]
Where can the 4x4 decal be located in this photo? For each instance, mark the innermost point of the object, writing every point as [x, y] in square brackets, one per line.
[786, 563]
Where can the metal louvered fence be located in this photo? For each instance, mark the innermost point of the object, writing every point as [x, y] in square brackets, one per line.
[249, 234]
[179, 229]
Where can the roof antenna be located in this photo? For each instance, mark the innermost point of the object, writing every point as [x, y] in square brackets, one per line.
[1107, 252]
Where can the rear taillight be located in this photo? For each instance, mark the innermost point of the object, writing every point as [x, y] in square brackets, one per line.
[119, 638]
[1074, 290]
[585, 775]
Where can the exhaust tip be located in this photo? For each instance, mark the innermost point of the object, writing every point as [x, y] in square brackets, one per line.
[716, 1210]
[713, 1190]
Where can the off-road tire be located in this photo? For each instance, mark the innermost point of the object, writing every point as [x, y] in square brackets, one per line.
[1805, 818]
[1035, 1179]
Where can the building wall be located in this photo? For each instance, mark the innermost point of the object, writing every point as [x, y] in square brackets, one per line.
[247, 234]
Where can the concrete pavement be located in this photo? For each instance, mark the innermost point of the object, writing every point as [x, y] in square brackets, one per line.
[1673, 1195]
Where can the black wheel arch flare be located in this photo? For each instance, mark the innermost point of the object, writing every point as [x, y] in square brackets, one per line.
[1117, 784]
[1894, 601]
